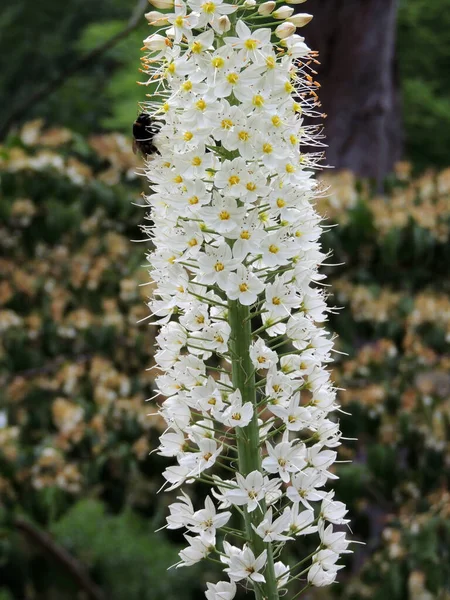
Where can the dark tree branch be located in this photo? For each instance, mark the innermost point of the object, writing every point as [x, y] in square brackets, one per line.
[71, 564]
[57, 82]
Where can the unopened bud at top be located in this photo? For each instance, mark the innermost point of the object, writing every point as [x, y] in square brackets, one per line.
[284, 12]
[162, 3]
[295, 1]
[285, 30]
[156, 18]
[249, 3]
[224, 24]
[266, 8]
[301, 19]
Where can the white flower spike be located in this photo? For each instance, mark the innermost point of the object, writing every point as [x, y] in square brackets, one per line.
[235, 264]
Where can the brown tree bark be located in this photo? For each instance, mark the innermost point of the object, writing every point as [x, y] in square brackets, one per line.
[360, 87]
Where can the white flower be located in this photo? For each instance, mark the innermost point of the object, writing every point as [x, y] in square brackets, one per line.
[198, 462]
[335, 541]
[249, 42]
[318, 577]
[221, 591]
[271, 531]
[215, 265]
[245, 566]
[172, 443]
[199, 548]
[333, 511]
[285, 458]
[211, 11]
[304, 488]
[176, 475]
[301, 522]
[180, 512]
[282, 573]
[250, 490]
[236, 414]
[244, 286]
[262, 356]
[294, 416]
[224, 216]
[207, 520]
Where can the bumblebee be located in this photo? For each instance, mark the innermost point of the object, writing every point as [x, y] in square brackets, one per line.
[144, 130]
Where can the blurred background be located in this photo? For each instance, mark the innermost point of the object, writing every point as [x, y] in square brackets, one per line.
[78, 509]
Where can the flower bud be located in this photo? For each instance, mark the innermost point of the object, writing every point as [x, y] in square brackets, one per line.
[162, 3]
[249, 3]
[155, 42]
[285, 30]
[295, 1]
[266, 8]
[284, 12]
[156, 18]
[301, 19]
[224, 24]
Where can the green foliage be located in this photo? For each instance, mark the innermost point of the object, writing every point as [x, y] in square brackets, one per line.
[121, 90]
[424, 60]
[129, 560]
[64, 32]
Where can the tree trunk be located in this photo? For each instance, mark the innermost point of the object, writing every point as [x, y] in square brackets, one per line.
[360, 87]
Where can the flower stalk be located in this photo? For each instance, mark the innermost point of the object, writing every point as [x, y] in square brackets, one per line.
[242, 351]
[248, 443]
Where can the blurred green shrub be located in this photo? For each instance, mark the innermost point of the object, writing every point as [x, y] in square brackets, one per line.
[129, 560]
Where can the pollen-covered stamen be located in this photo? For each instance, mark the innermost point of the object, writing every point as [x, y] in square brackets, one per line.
[218, 62]
[200, 105]
[226, 124]
[251, 44]
[209, 8]
[258, 101]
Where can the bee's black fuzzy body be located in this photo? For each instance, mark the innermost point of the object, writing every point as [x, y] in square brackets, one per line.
[144, 130]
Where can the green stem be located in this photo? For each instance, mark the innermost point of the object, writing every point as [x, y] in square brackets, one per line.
[249, 452]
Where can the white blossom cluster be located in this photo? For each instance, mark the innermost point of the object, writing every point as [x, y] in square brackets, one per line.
[233, 219]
